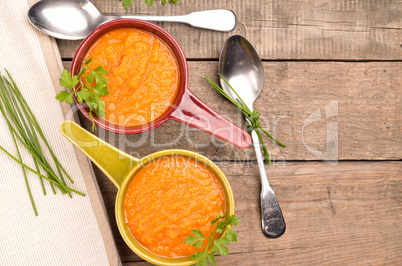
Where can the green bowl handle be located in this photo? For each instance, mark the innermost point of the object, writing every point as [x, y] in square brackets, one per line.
[114, 163]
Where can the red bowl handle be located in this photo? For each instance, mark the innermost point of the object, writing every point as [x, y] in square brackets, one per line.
[194, 112]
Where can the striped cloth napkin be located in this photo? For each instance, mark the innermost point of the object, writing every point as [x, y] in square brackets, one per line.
[68, 231]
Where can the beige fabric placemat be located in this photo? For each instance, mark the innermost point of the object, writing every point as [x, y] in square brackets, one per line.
[68, 231]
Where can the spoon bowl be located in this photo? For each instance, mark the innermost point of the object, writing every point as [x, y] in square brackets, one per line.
[75, 19]
[241, 66]
[68, 19]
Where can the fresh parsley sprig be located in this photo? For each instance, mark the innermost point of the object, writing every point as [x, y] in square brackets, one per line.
[128, 3]
[252, 117]
[85, 91]
[218, 225]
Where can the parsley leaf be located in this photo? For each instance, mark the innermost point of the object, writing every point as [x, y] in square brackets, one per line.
[197, 255]
[100, 89]
[66, 81]
[65, 96]
[100, 108]
[197, 243]
[220, 227]
[83, 94]
[233, 220]
[83, 70]
[90, 77]
[196, 240]
[99, 74]
[149, 2]
[197, 233]
[128, 3]
[216, 220]
[86, 91]
[217, 245]
[211, 259]
[88, 61]
[231, 235]
[202, 262]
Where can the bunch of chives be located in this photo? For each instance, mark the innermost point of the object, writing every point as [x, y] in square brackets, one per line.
[25, 130]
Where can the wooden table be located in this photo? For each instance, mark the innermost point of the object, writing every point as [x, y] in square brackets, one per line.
[331, 68]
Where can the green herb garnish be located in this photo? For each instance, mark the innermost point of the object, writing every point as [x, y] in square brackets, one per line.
[218, 245]
[128, 3]
[251, 117]
[25, 130]
[85, 91]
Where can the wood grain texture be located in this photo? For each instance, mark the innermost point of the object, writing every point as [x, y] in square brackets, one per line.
[347, 214]
[344, 214]
[368, 121]
[284, 29]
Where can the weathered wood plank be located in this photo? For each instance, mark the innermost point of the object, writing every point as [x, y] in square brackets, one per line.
[285, 29]
[367, 95]
[335, 215]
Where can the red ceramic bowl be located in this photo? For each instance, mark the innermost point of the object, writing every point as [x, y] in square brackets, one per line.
[186, 107]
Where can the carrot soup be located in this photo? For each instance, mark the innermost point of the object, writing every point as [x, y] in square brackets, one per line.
[143, 75]
[168, 198]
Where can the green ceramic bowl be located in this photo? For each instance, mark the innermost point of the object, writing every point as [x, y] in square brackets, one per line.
[120, 168]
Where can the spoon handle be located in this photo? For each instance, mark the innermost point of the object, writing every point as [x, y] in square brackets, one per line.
[273, 223]
[217, 19]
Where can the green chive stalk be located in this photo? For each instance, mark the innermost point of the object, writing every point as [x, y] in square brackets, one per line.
[25, 131]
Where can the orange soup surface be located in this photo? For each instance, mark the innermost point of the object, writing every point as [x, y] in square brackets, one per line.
[143, 75]
[167, 199]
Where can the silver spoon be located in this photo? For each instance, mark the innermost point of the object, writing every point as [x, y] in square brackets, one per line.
[240, 65]
[75, 19]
